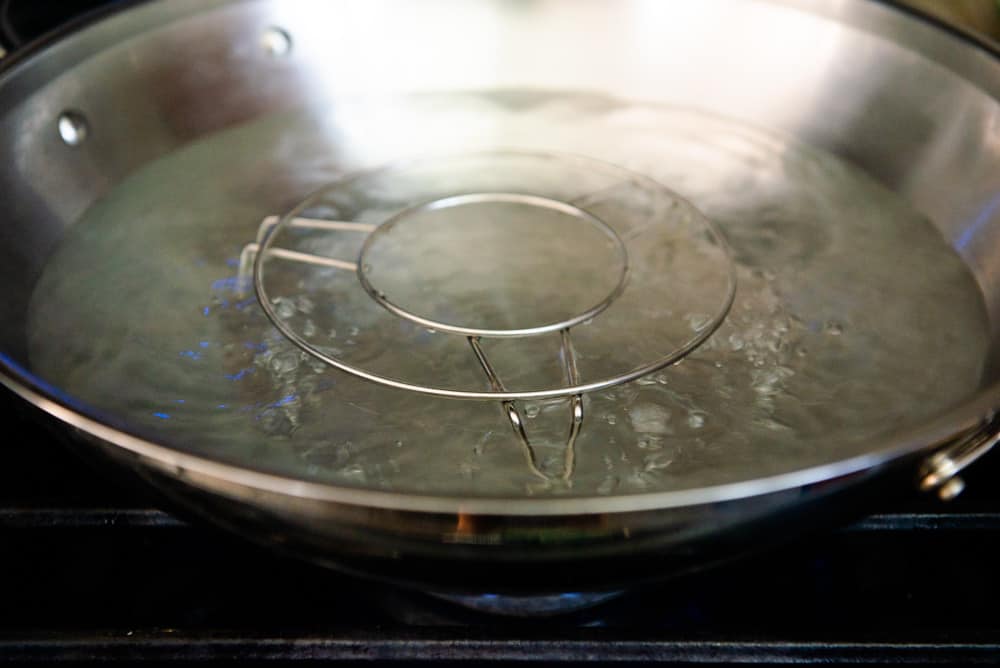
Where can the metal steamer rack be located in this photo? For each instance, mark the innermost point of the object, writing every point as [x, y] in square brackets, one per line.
[441, 200]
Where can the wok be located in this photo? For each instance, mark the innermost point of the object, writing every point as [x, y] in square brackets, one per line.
[803, 317]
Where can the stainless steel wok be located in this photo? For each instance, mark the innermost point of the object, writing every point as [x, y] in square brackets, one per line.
[741, 281]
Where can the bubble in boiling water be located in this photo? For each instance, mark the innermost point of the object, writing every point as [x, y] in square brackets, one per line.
[611, 419]
[641, 479]
[304, 304]
[649, 443]
[532, 410]
[657, 461]
[833, 328]
[275, 422]
[696, 420]
[762, 274]
[698, 321]
[649, 418]
[768, 381]
[354, 472]
[309, 328]
[283, 307]
[771, 424]
[286, 362]
[608, 485]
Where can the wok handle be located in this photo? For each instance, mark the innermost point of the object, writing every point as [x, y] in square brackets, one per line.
[939, 472]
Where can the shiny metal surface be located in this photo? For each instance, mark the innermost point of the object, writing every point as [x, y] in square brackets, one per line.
[410, 266]
[73, 128]
[940, 472]
[248, 256]
[516, 419]
[618, 257]
[915, 107]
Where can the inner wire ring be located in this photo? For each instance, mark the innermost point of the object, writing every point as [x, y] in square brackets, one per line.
[616, 251]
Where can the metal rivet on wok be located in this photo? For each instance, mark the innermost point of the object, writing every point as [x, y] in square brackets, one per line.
[276, 42]
[73, 128]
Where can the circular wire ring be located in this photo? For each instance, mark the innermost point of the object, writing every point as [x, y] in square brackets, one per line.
[678, 353]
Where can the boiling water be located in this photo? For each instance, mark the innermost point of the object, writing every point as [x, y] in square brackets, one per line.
[853, 317]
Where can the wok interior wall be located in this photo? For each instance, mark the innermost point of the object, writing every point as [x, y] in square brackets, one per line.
[151, 79]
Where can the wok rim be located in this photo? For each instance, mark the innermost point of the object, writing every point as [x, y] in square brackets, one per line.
[932, 434]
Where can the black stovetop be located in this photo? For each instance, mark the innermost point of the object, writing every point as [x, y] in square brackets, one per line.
[91, 569]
